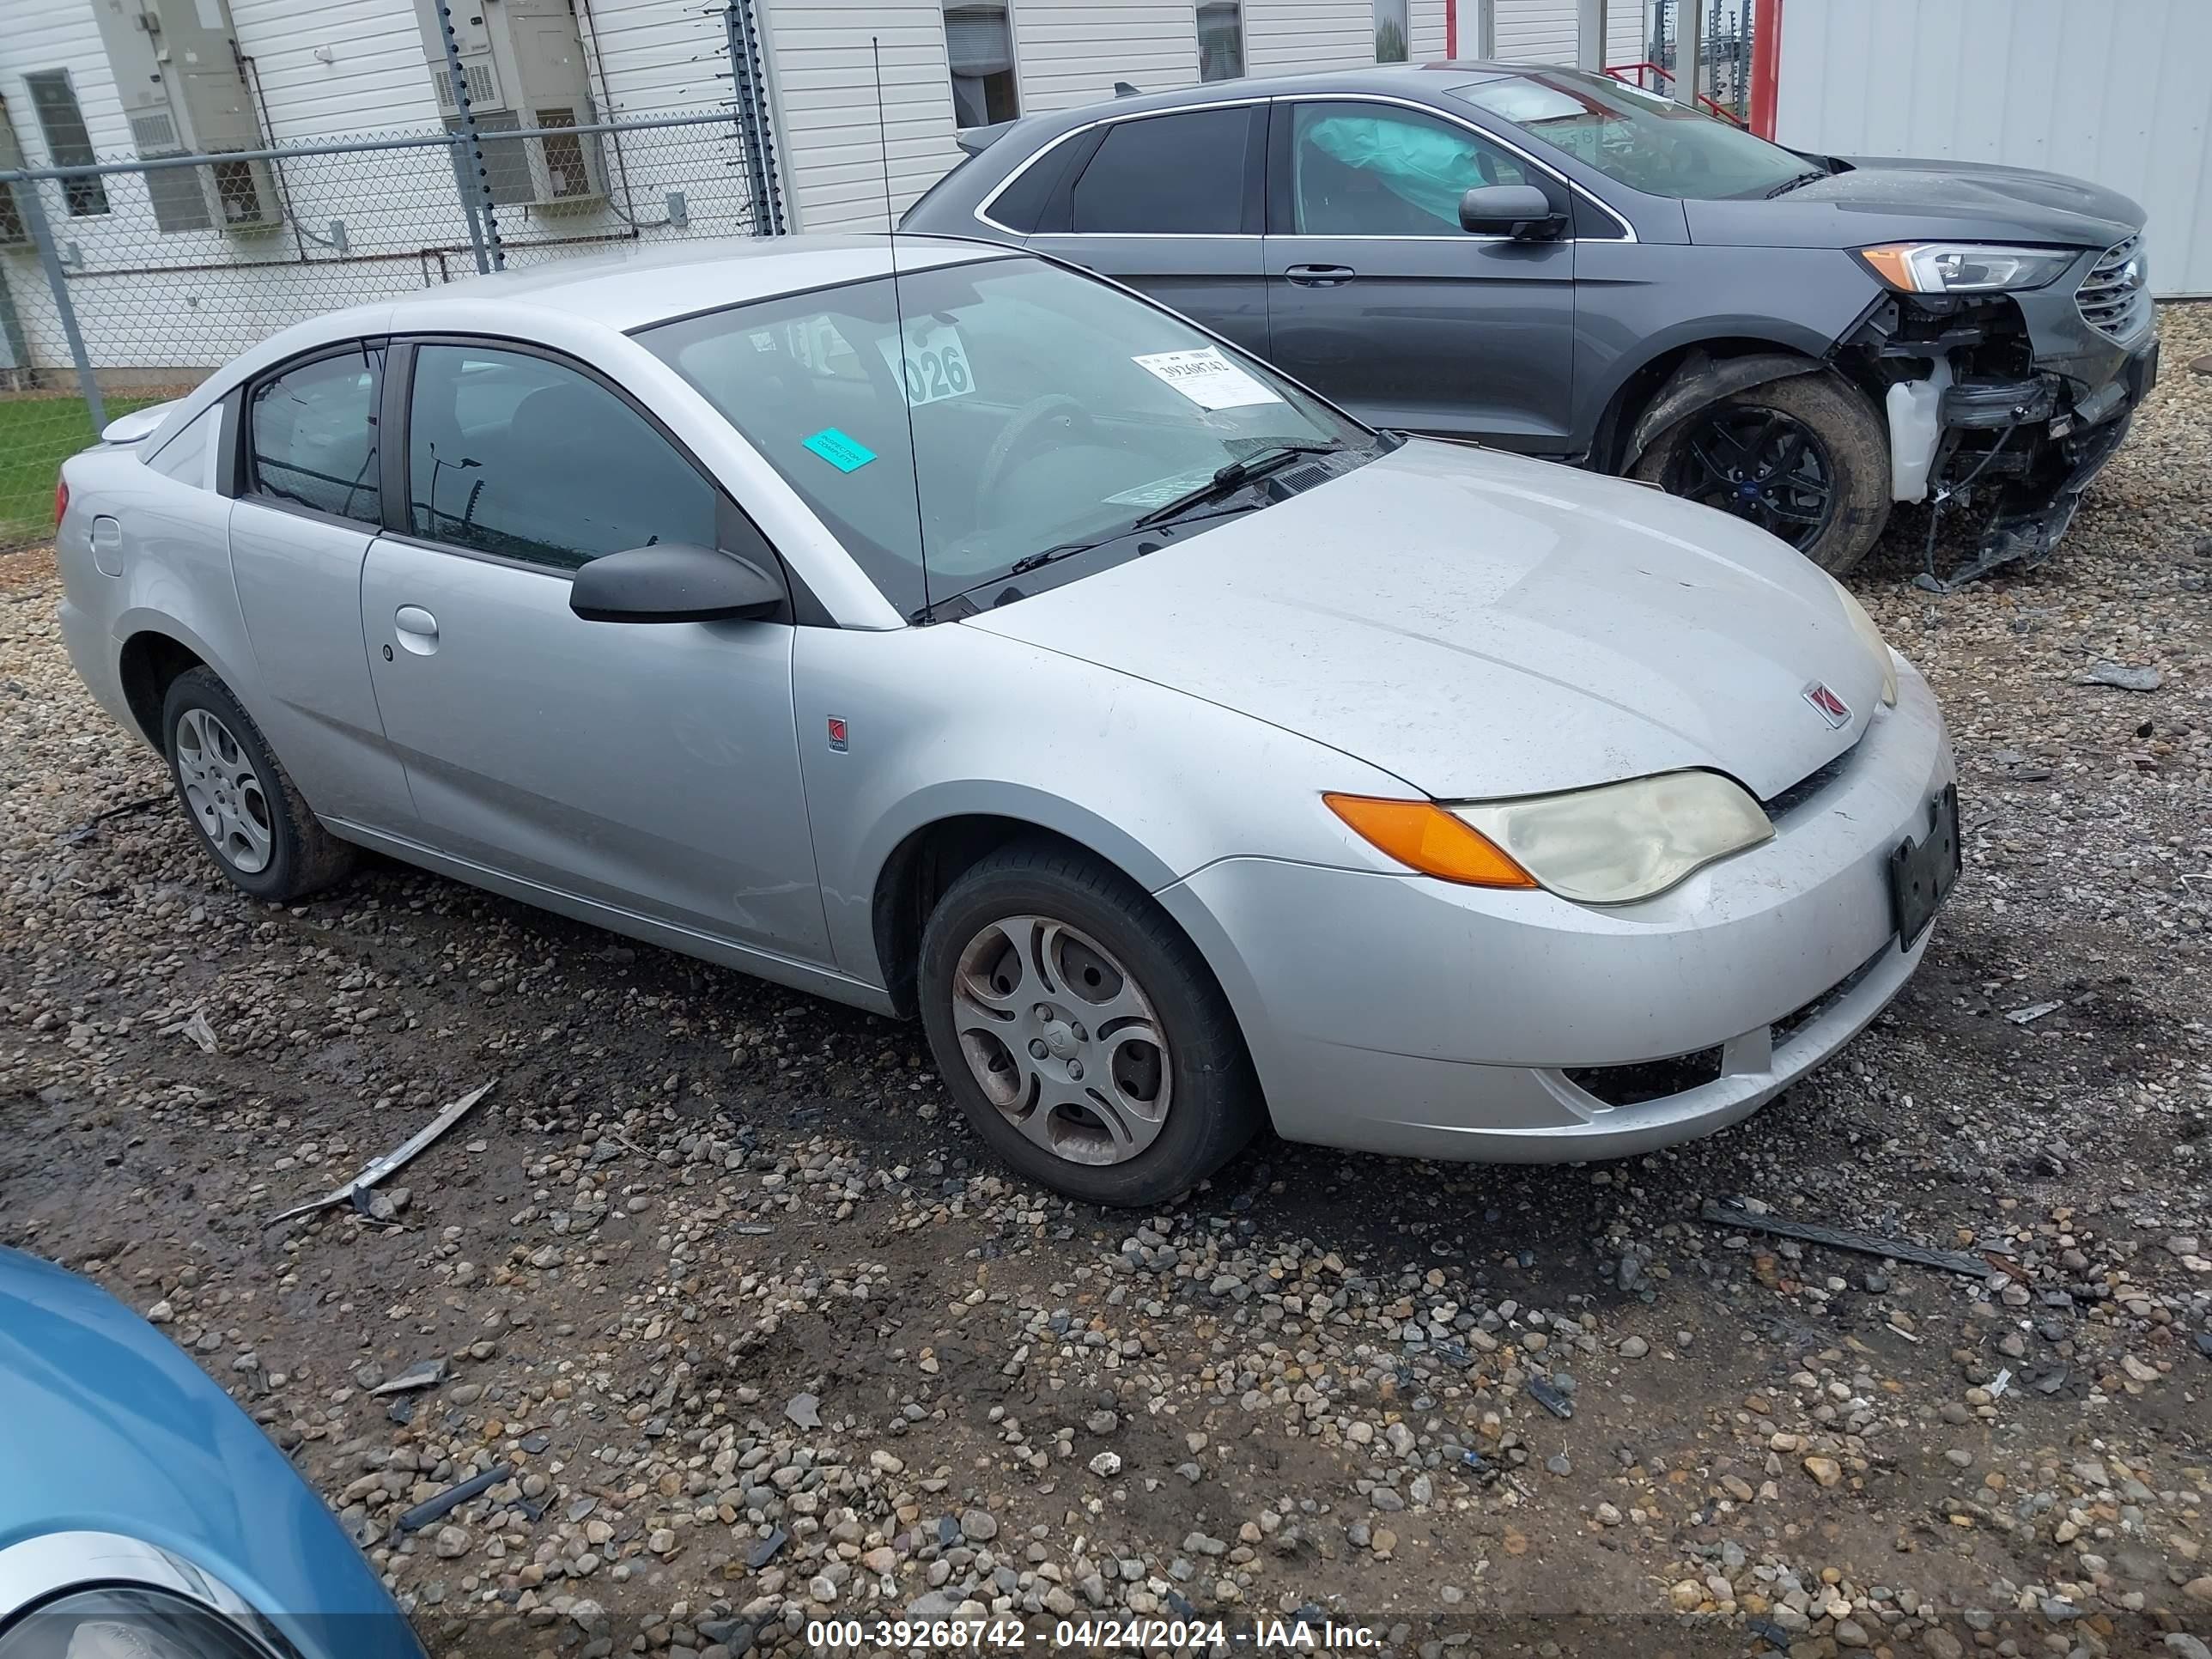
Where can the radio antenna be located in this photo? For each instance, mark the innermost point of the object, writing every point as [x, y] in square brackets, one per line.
[898, 314]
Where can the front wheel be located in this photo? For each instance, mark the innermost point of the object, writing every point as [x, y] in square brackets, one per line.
[1080, 1031]
[1805, 457]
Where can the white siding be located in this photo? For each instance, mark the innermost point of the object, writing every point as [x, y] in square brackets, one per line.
[1288, 37]
[1544, 31]
[1072, 51]
[2112, 93]
[826, 98]
[1426, 25]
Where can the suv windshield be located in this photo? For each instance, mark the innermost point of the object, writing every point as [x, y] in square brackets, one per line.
[1049, 414]
[1646, 141]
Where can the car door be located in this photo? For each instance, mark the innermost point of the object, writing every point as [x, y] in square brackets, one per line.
[1378, 298]
[1170, 205]
[306, 505]
[649, 767]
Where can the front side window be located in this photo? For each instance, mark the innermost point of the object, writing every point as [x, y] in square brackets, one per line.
[979, 46]
[311, 434]
[1183, 174]
[1024, 415]
[1389, 30]
[1220, 40]
[1376, 170]
[1646, 141]
[68, 144]
[516, 455]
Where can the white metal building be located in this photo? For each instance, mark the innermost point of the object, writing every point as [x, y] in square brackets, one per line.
[2110, 90]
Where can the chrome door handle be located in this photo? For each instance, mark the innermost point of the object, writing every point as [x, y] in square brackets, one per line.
[1321, 276]
[417, 628]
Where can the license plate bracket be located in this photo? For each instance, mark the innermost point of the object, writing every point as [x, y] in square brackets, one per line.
[1920, 873]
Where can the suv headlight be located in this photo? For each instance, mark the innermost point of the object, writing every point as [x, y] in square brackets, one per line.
[1871, 636]
[1965, 267]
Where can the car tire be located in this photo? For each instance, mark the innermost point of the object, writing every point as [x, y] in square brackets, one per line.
[1048, 930]
[237, 798]
[1851, 435]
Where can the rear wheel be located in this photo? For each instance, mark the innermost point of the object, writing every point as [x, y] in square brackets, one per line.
[1806, 459]
[240, 802]
[1080, 1031]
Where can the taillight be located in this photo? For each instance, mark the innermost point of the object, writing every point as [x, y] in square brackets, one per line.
[61, 500]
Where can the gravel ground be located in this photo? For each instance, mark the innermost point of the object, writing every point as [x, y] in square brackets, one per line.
[758, 1334]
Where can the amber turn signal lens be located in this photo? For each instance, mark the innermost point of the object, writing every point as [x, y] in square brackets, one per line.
[1422, 834]
[1889, 265]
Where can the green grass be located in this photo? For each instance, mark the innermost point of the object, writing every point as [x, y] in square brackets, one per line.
[37, 433]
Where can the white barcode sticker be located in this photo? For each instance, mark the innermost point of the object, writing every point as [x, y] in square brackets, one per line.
[1206, 378]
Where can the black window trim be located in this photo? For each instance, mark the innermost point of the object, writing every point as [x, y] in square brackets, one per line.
[735, 532]
[238, 424]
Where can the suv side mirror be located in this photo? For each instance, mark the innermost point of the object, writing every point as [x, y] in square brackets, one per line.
[1520, 211]
[669, 581]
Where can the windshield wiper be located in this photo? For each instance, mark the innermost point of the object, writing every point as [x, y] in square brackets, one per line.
[1788, 185]
[1234, 476]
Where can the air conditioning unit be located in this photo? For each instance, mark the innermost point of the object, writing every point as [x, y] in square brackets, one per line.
[13, 233]
[183, 89]
[522, 67]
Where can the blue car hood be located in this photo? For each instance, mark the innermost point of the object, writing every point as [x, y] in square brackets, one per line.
[106, 1426]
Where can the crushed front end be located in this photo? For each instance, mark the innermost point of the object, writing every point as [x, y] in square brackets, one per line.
[2012, 399]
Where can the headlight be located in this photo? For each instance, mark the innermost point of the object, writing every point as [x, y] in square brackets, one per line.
[1871, 636]
[1611, 845]
[1965, 267]
[1623, 842]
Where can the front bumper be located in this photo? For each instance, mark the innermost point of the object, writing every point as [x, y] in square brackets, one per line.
[1404, 1015]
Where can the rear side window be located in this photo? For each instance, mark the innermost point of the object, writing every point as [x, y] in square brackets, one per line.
[516, 455]
[311, 434]
[1167, 175]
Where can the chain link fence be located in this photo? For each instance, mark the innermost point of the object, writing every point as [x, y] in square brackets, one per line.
[126, 281]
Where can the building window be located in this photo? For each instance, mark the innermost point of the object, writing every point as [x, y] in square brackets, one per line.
[979, 42]
[53, 101]
[1389, 30]
[1220, 40]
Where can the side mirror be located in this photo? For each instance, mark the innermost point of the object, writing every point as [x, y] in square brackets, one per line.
[1520, 211]
[671, 582]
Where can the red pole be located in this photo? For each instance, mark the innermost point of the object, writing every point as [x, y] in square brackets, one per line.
[1451, 28]
[1766, 62]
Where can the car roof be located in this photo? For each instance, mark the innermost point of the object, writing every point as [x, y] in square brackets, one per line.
[1424, 79]
[634, 287]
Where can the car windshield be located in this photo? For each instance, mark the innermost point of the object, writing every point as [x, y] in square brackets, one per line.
[1647, 142]
[1049, 414]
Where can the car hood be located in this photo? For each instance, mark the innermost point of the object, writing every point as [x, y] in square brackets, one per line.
[1878, 199]
[1483, 625]
[111, 1429]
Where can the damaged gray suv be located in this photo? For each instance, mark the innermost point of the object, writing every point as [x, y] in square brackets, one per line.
[1552, 261]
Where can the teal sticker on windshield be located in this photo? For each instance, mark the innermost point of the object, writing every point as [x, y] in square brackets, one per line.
[847, 454]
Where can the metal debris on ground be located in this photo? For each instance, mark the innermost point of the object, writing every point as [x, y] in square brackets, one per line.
[1850, 1238]
[197, 1028]
[2033, 1011]
[452, 1498]
[2122, 676]
[426, 1374]
[765, 1552]
[377, 1169]
[90, 827]
[805, 1410]
[1550, 1398]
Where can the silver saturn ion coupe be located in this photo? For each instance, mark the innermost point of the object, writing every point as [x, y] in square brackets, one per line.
[992, 645]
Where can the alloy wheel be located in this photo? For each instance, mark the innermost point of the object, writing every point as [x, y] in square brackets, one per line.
[1761, 465]
[1062, 1039]
[223, 792]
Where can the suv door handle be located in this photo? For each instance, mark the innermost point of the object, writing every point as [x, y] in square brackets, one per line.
[417, 628]
[1321, 276]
